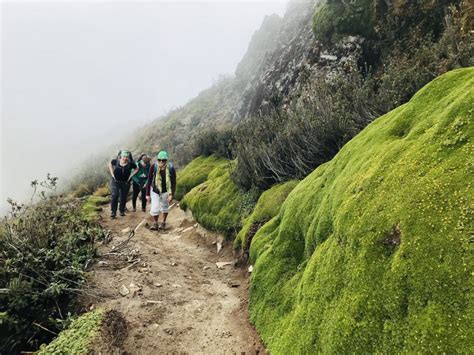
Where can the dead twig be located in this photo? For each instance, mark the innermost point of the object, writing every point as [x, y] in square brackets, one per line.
[46, 329]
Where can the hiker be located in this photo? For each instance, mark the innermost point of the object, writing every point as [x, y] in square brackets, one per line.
[139, 181]
[160, 188]
[121, 170]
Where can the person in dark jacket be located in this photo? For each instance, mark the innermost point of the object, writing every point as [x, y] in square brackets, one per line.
[161, 187]
[121, 170]
[139, 181]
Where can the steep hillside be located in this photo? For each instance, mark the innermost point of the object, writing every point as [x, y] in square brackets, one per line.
[371, 253]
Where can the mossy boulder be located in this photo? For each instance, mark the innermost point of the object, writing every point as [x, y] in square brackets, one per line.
[217, 203]
[372, 252]
[267, 207]
[195, 173]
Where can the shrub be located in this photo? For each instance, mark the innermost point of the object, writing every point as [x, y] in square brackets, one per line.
[213, 141]
[44, 250]
[336, 18]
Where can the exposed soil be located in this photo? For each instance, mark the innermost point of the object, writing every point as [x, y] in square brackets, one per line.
[178, 300]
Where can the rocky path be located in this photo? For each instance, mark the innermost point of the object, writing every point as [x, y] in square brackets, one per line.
[172, 293]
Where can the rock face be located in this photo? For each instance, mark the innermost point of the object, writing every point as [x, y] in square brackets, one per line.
[293, 58]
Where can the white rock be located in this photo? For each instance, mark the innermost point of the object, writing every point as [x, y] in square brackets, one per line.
[221, 264]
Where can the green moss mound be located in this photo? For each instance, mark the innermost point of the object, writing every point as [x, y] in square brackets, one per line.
[267, 207]
[217, 202]
[78, 338]
[92, 207]
[195, 173]
[371, 253]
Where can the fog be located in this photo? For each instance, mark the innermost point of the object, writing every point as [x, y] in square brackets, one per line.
[77, 77]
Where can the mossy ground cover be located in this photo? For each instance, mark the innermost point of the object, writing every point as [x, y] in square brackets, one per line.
[196, 172]
[92, 207]
[371, 252]
[78, 338]
[267, 207]
[217, 202]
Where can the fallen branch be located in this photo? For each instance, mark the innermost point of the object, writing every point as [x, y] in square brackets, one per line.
[46, 329]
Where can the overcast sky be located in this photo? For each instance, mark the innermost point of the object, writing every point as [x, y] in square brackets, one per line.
[77, 76]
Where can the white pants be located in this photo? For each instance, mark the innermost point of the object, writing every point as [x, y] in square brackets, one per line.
[159, 203]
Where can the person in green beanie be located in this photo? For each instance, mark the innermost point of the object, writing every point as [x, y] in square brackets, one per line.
[160, 188]
[139, 181]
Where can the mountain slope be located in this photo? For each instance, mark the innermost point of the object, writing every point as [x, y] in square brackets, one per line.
[371, 252]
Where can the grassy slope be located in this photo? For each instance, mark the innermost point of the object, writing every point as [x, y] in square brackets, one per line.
[216, 203]
[267, 207]
[330, 276]
[195, 173]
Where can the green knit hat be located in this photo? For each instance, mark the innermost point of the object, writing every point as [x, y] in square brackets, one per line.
[162, 155]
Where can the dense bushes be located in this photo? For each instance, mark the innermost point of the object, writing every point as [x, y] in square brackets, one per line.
[289, 144]
[43, 253]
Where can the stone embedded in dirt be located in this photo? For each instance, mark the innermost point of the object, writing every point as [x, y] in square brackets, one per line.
[102, 263]
[214, 242]
[219, 247]
[234, 284]
[187, 229]
[207, 267]
[250, 269]
[158, 285]
[135, 289]
[195, 226]
[221, 264]
[124, 290]
[177, 286]
[174, 264]
[149, 302]
[126, 230]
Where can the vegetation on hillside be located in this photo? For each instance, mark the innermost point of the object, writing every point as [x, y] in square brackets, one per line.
[371, 253]
[44, 250]
[335, 105]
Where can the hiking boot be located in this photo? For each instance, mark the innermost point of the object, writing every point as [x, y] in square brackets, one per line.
[162, 226]
[134, 209]
[122, 214]
[154, 227]
[143, 209]
[112, 215]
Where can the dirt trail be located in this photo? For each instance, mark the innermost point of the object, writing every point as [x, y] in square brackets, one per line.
[179, 301]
